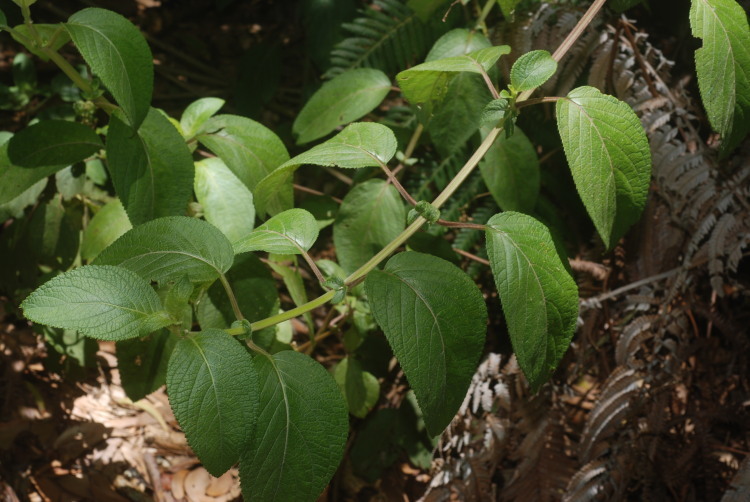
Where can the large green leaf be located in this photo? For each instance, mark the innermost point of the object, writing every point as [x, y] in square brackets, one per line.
[152, 169]
[539, 297]
[723, 66]
[15, 180]
[53, 142]
[142, 363]
[254, 288]
[213, 390]
[104, 228]
[227, 203]
[362, 144]
[248, 148]
[339, 101]
[301, 433]
[532, 70]
[119, 55]
[371, 215]
[609, 156]
[435, 320]
[510, 169]
[292, 232]
[108, 303]
[169, 248]
[197, 113]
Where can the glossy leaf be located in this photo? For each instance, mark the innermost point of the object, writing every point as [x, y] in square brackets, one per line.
[108, 303]
[531, 70]
[142, 363]
[53, 142]
[227, 203]
[362, 144]
[539, 297]
[213, 390]
[168, 248]
[197, 113]
[360, 387]
[247, 147]
[152, 169]
[435, 320]
[104, 228]
[343, 99]
[371, 215]
[119, 55]
[510, 169]
[723, 66]
[301, 433]
[609, 157]
[292, 232]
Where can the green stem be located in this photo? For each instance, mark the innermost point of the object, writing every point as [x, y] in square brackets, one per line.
[232, 298]
[291, 314]
[77, 79]
[485, 12]
[536, 101]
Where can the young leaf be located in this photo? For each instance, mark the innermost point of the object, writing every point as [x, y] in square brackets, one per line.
[168, 248]
[108, 303]
[16, 180]
[292, 232]
[119, 55]
[197, 113]
[213, 390]
[435, 320]
[511, 171]
[341, 100]
[371, 215]
[104, 228]
[362, 144]
[301, 433]
[539, 297]
[609, 156]
[227, 203]
[723, 67]
[143, 363]
[532, 70]
[53, 142]
[152, 169]
[247, 147]
[360, 387]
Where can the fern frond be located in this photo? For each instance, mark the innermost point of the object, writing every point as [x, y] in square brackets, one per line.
[388, 36]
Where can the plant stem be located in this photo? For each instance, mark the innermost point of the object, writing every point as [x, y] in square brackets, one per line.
[232, 298]
[77, 79]
[536, 101]
[576, 32]
[490, 85]
[410, 147]
[485, 12]
[313, 266]
[392, 179]
[291, 314]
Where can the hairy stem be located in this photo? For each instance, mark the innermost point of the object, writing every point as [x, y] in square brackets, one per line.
[232, 298]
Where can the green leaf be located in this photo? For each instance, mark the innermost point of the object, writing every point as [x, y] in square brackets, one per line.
[360, 387]
[371, 215]
[168, 248]
[292, 232]
[143, 363]
[197, 113]
[227, 203]
[508, 6]
[108, 303]
[339, 101]
[104, 228]
[119, 55]
[362, 144]
[301, 433]
[532, 70]
[152, 169]
[539, 297]
[213, 390]
[510, 169]
[609, 156]
[494, 112]
[254, 288]
[435, 320]
[15, 180]
[293, 282]
[248, 148]
[3, 20]
[53, 142]
[723, 67]
[15, 207]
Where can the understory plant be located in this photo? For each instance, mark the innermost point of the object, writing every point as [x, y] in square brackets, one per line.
[175, 270]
